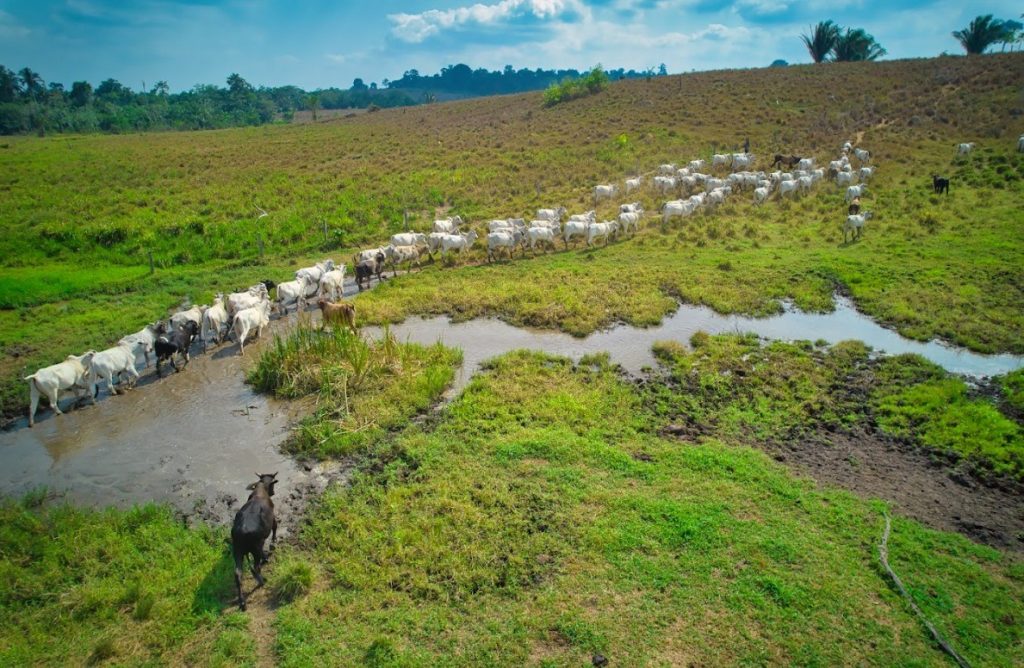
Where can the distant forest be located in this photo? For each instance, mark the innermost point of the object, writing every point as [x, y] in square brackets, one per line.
[30, 105]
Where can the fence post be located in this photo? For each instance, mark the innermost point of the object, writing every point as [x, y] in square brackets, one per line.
[324, 224]
[150, 253]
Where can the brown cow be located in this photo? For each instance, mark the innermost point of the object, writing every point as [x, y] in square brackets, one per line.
[338, 313]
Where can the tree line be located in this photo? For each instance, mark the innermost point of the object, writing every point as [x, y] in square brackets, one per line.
[28, 104]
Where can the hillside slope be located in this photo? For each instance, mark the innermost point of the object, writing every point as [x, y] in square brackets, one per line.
[80, 214]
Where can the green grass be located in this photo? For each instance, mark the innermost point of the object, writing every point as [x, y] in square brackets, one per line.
[526, 529]
[740, 390]
[365, 388]
[89, 209]
[129, 587]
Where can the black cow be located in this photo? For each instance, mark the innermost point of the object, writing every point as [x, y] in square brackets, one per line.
[367, 268]
[785, 160]
[940, 185]
[167, 345]
[253, 523]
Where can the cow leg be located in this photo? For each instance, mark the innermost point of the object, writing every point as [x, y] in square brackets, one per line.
[110, 385]
[33, 402]
[239, 557]
[53, 402]
[257, 566]
[134, 376]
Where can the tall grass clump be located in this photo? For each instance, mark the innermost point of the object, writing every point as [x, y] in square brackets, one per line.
[592, 82]
[364, 387]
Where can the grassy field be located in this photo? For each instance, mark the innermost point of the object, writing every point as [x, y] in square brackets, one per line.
[81, 214]
[539, 520]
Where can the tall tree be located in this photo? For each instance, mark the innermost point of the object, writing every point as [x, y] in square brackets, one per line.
[1011, 33]
[9, 85]
[313, 103]
[31, 83]
[855, 44]
[81, 93]
[981, 33]
[821, 40]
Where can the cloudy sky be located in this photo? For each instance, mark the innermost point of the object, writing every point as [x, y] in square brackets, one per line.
[318, 43]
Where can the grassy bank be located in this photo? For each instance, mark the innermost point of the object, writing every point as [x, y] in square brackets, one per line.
[364, 388]
[740, 390]
[81, 214]
[538, 520]
[542, 522]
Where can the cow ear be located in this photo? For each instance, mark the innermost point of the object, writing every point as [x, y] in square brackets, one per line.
[250, 487]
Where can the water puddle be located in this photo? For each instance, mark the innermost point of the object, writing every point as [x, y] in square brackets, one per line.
[630, 347]
[195, 439]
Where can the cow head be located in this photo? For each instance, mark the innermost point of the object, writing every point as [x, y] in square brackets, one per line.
[268, 480]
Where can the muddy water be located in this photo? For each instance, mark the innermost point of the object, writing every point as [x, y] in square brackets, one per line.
[195, 439]
[630, 347]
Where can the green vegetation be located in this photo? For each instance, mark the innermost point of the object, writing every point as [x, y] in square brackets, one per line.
[1013, 390]
[827, 40]
[736, 389]
[929, 266]
[364, 388]
[984, 31]
[592, 82]
[542, 521]
[133, 587]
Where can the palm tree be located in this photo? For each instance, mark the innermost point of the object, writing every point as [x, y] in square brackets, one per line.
[856, 45]
[31, 82]
[983, 32]
[821, 39]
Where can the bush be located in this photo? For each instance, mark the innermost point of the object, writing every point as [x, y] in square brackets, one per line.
[592, 82]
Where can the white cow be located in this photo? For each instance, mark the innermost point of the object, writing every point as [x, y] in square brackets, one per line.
[742, 160]
[720, 160]
[503, 239]
[788, 186]
[677, 208]
[448, 225]
[542, 234]
[256, 317]
[434, 241]
[855, 191]
[607, 229]
[847, 147]
[242, 300]
[214, 320]
[854, 223]
[630, 207]
[697, 165]
[313, 275]
[604, 192]
[761, 195]
[846, 178]
[369, 254]
[457, 242]
[666, 169]
[630, 220]
[194, 314]
[805, 183]
[1020, 144]
[332, 284]
[574, 228]
[551, 214]
[862, 154]
[408, 239]
[72, 373]
[113, 362]
[147, 337]
[806, 164]
[588, 217]
[288, 293]
[634, 184]
[664, 183]
[866, 173]
[965, 149]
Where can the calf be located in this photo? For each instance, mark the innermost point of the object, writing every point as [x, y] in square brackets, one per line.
[940, 185]
[114, 362]
[253, 523]
[341, 313]
[178, 342]
[256, 317]
[854, 207]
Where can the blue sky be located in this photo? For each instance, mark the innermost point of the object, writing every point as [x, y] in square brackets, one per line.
[316, 43]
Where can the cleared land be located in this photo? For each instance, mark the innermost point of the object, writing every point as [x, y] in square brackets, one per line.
[930, 266]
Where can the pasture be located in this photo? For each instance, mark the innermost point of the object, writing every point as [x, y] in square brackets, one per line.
[553, 511]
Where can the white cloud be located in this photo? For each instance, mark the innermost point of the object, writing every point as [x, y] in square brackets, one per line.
[336, 58]
[415, 28]
[10, 28]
